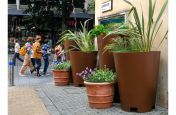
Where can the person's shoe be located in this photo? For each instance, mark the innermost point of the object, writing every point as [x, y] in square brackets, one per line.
[22, 75]
[31, 71]
[38, 75]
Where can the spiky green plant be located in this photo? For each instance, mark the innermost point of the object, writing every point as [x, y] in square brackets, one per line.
[148, 32]
[83, 39]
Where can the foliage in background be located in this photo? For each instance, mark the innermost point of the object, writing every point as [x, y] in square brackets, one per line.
[98, 76]
[46, 14]
[63, 66]
[91, 5]
[147, 30]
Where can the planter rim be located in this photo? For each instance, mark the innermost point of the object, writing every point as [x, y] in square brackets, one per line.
[94, 83]
[60, 70]
[134, 52]
[85, 52]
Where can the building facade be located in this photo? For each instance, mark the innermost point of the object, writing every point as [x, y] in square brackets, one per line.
[107, 11]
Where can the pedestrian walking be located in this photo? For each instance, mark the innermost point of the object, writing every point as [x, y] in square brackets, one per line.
[46, 52]
[16, 54]
[59, 53]
[37, 54]
[27, 57]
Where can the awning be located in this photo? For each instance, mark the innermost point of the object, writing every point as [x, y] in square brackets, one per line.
[82, 15]
[14, 11]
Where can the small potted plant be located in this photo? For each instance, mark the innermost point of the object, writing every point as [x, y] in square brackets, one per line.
[61, 73]
[100, 87]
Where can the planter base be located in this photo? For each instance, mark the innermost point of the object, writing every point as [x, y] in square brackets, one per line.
[137, 109]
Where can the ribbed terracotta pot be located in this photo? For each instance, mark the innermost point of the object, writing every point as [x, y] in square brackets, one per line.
[61, 77]
[105, 58]
[137, 79]
[68, 44]
[100, 95]
[79, 61]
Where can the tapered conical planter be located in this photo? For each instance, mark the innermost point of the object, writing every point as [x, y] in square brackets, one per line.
[68, 44]
[100, 95]
[79, 61]
[105, 58]
[137, 79]
[61, 77]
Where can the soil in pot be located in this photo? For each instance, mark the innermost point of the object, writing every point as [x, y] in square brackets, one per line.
[137, 79]
[100, 95]
[79, 61]
[61, 77]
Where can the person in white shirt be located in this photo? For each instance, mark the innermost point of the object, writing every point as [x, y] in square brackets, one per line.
[16, 54]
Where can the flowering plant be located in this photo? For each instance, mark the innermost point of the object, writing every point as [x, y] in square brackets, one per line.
[98, 75]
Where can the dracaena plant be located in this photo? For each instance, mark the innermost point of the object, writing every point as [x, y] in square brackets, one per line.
[125, 41]
[148, 30]
[84, 39]
[140, 35]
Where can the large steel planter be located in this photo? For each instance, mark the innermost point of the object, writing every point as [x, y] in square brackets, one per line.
[137, 79]
[79, 61]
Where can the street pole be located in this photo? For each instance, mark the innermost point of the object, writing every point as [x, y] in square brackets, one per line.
[11, 73]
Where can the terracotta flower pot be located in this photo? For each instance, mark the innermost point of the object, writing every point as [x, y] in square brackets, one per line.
[137, 79]
[68, 44]
[100, 95]
[61, 77]
[79, 61]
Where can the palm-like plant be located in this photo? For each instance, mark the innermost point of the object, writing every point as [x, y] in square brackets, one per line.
[148, 33]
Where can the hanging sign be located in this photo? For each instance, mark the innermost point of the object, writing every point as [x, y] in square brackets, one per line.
[106, 6]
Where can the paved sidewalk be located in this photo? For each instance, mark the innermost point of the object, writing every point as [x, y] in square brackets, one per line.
[25, 101]
[69, 100]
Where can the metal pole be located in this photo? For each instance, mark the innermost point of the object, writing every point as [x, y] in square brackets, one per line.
[11, 73]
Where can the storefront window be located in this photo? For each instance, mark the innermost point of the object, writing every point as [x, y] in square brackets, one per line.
[112, 19]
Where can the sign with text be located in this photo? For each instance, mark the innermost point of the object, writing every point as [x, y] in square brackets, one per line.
[106, 6]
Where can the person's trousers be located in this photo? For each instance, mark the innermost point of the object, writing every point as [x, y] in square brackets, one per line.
[26, 63]
[46, 64]
[38, 63]
[16, 56]
[33, 61]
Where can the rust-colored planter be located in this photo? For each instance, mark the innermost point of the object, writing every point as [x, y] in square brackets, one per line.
[100, 95]
[79, 61]
[137, 79]
[105, 58]
[61, 77]
[68, 44]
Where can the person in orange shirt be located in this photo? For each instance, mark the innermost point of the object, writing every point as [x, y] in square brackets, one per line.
[37, 54]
